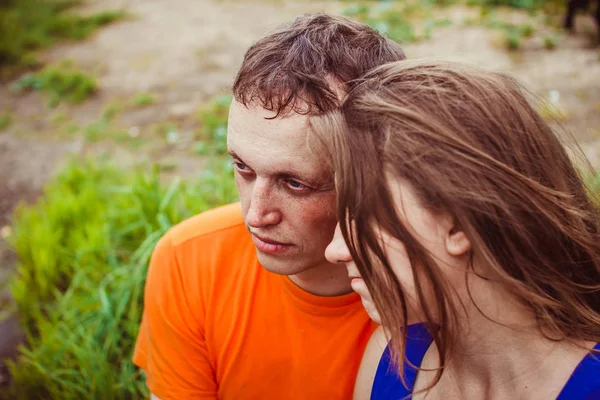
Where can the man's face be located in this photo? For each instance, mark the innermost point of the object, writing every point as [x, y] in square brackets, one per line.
[287, 195]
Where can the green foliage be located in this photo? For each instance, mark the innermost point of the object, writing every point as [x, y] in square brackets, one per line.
[168, 131]
[550, 42]
[443, 3]
[111, 110]
[70, 128]
[143, 99]
[529, 5]
[394, 19]
[78, 27]
[104, 128]
[29, 25]
[512, 39]
[513, 34]
[213, 133]
[5, 120]
[100, 130]
[61, 82]
[83, 253]
[58, 119]
[527, 30]
[542, 13]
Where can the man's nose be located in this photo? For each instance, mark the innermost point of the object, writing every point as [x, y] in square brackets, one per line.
[263, 209]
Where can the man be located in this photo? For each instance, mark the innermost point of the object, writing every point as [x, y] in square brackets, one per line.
[240, 302]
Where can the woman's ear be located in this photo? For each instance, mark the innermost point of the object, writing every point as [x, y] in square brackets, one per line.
[457, 242]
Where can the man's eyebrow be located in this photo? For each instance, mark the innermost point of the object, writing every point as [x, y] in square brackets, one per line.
[232, 153]
[290, 175]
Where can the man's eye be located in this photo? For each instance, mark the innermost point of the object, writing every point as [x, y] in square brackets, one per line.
[240, 166]
[297, 186]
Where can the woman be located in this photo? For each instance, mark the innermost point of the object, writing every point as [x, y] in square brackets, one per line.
[471, 238]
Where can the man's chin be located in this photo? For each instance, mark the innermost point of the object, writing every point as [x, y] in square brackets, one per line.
[279, 265]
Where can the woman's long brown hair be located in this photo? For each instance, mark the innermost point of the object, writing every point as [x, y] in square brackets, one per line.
[472, 146]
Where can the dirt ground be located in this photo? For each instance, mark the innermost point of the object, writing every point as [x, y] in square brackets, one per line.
[186, 51]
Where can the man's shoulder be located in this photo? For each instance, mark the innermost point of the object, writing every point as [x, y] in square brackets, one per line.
[212, 223]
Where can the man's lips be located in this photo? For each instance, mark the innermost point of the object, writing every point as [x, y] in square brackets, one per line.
[269, 246]
[267, 240]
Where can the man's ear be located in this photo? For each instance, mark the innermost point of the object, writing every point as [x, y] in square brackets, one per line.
[457, 242]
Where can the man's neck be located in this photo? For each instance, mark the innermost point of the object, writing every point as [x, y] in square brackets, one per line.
[324, 280]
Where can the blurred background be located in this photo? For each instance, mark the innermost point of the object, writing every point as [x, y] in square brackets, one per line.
[112, 128]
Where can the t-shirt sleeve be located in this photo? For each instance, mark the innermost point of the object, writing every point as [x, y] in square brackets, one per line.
[171, 346]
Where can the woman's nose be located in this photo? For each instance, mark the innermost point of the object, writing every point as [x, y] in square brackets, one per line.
[337, 251]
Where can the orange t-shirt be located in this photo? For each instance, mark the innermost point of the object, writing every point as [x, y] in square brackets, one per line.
[218, 325]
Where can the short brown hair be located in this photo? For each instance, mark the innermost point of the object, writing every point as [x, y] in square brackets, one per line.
[472, 146]
[294, 66]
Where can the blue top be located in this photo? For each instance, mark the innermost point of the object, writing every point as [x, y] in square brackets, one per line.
[584, 383]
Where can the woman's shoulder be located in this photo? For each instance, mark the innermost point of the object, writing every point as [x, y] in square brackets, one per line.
[378, 377]
[584, 383]
[368, 367]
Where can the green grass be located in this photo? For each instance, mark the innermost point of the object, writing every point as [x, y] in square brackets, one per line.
[514, 35]
[83, 253]
[213, 133]
[168, 131]
[61, 82]
[528, 5]
[550, 42]
[100, 130]
[403, 22]
[112, 109]
[106, 129]
[70, 128]
[143, 100]
[528, 30]
[522, 4]
[58, 119]
[513, 39]
[30, 25]
[413, 20]
[5, 120]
